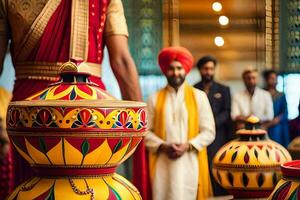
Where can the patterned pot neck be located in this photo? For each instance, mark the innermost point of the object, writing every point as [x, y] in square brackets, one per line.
[70, 73]
[74, 84]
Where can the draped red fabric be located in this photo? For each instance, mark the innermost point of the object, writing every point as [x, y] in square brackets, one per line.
[6, 176]
[53, 46]
[141, 178]
[55, 41]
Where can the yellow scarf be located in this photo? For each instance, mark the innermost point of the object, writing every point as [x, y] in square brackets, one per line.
[204, 184]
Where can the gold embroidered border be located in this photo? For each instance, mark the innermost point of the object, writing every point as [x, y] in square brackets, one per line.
[51, 71]
[36, 30]
[79, 29]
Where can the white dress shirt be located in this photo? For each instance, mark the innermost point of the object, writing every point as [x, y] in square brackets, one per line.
[260, 104]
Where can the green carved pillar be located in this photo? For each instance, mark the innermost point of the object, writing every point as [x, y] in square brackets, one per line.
[144, 20]
[290, 36]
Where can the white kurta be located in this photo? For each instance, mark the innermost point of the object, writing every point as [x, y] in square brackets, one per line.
[260, 104]
[178, 179]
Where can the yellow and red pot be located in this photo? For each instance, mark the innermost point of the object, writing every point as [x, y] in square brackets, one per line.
[74, 135]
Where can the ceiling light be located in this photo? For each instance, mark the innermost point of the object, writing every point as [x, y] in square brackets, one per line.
[223, 20]
[217, 6]
[219, 41]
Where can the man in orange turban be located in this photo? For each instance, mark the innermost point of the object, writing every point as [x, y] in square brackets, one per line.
[180, 54]
[175, 56]
[181, 125]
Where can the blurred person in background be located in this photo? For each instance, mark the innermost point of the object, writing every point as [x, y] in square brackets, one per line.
[278, 128]
[220, 101]
[251, 101]
[295, 125]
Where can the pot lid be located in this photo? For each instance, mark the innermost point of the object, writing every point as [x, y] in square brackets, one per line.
[252, 127]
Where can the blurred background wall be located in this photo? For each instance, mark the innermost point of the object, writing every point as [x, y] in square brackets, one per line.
[239, 33]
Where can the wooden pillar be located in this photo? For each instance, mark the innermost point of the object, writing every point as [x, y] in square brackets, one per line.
[171, 23]
[276, 41]
[268, 35]
[272, 34]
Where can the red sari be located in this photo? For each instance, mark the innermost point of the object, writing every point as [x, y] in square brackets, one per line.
[52, 47]
[56, 45]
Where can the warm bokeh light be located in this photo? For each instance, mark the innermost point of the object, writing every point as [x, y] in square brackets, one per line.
[217, 6]
[223, 20]
[219, 41]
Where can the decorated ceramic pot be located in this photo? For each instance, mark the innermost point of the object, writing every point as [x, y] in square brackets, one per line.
[288, 188]
[74, 135]
[249, 166]
[294, 148]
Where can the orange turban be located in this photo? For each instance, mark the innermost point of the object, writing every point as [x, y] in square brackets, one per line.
[180, 54]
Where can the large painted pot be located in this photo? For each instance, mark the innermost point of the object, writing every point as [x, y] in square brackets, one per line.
[294, 148]
[249, 166]
[288, 188]
[74, 135]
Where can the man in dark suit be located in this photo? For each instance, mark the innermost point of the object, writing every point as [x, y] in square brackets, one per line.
[220, 101]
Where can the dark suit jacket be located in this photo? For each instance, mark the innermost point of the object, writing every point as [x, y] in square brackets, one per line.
[220, 101]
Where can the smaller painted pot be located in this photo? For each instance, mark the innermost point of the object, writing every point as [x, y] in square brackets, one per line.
[288, 188]
[249, 166]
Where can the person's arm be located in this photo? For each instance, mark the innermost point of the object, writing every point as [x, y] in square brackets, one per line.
[123, 67]
[235, 112]
[122, 64]
[206, 123]
[268, 119]
[282, 116]
[224, 116]
[269, 112]
[3, 49]
[284, 113]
